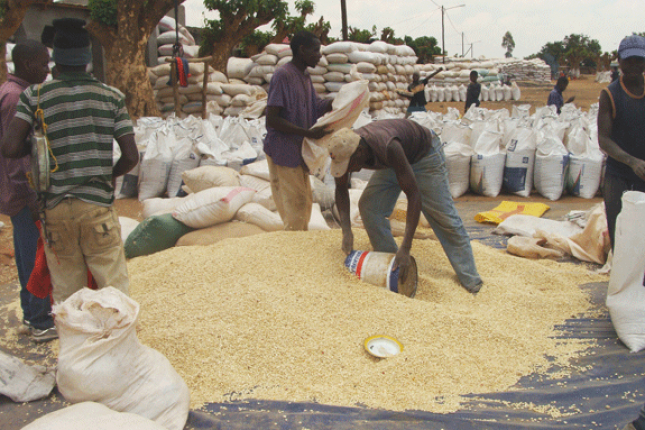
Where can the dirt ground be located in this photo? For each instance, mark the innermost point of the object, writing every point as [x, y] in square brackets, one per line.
[585, 90]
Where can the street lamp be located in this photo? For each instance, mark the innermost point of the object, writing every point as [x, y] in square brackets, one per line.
[443, 46]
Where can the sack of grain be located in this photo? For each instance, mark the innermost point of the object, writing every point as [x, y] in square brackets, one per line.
[155, 165]
[154, 234]
[626, 295]
[278, 49]
[258, 169]
[337, 58]
[487, 165]
[520, 159]
[237, 68]
[205, 177]
[457, 158]
[256, 214]
[212, 206]
[102, 360]
[346, 108]
[159, 206]
[339, 47]
[85, 415]
[551, 159]
[185, 158]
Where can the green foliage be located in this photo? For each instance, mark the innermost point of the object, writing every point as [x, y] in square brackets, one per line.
[424, 47]
[250, 13]
[257, 39]
[103, 12]
[508, 43]
[361, 36]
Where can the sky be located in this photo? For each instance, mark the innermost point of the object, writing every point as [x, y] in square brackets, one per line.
[481, 24]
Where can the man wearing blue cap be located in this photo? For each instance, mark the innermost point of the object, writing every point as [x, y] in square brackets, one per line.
[83, 117]
[621, 128]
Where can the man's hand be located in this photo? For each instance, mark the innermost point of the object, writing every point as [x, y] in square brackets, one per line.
[638, 166]
[348, 242]
[317, 132]
[402, 261]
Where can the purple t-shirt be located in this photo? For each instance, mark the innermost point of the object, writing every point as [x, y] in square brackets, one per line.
[15, 192]
[292, 90]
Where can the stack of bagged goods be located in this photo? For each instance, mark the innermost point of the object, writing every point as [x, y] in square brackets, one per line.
[191, 96]
[386, 67]
[217, 202]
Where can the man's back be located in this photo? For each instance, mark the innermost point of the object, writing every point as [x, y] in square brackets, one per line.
[83, 116]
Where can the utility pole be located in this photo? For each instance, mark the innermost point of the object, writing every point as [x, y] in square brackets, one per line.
[443, 43]
[462, 44]
[343, 16]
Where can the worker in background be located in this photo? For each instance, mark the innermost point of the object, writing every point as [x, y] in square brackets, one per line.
[621, 129]
[293, 107]
[83, 118]
[17, 198]
[473, 91]
[614, 74]
[416, 92]
[556, 98]
[406, 157]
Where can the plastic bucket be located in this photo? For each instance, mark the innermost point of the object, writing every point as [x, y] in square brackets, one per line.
[376, 268]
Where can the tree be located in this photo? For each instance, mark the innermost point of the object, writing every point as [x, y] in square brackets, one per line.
[361, 36]
[321, 29]
[123, 28]
[237, 19]
[12, 12]
[292, 24]
[578, 48]
[424, 47]
[508, 43]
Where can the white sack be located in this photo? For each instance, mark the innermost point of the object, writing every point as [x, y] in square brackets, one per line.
[212, 206]
[155, 165]
[22, 382]
[127, 226]
[102, 360]
[520, 159]
[626, 295]
[551, 160]
[91, 415]
[159, 206]
[204, 177]
[346, 108]
[487, 174]
[185, 158]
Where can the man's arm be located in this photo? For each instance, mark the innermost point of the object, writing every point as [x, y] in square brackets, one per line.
[405, 176]
[432, 75]
[275, 121]
[342, 204]
[605, 126]
[14, 142]
[129, 155]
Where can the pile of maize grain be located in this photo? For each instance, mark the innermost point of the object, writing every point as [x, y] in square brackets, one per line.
[277, 316]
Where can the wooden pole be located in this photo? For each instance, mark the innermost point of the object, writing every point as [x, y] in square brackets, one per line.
[175, 89]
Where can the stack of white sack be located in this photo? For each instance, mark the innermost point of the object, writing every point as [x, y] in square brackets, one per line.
[218, 194]
[387, 68]
[170, 147]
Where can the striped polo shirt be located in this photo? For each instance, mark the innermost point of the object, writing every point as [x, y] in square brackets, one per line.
[83, 116]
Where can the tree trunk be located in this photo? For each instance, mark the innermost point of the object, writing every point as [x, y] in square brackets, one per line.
[125, 51]
[126, 69]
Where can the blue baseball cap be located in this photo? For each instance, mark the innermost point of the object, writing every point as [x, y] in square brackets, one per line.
[632, 46]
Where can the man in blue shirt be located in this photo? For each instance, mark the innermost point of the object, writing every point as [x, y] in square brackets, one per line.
[555, 98]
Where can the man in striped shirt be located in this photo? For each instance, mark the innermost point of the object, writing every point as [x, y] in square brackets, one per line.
[83, 117]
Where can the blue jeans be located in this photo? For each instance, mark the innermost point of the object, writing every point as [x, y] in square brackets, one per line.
[379, 198]
[25, 238]
[639, 423]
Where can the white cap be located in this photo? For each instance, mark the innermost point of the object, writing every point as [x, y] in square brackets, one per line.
[342, 145]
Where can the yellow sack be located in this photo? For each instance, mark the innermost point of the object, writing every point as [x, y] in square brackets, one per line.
[506, 209]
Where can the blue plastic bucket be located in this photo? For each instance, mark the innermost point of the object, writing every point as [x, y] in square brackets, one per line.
[376, 268]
